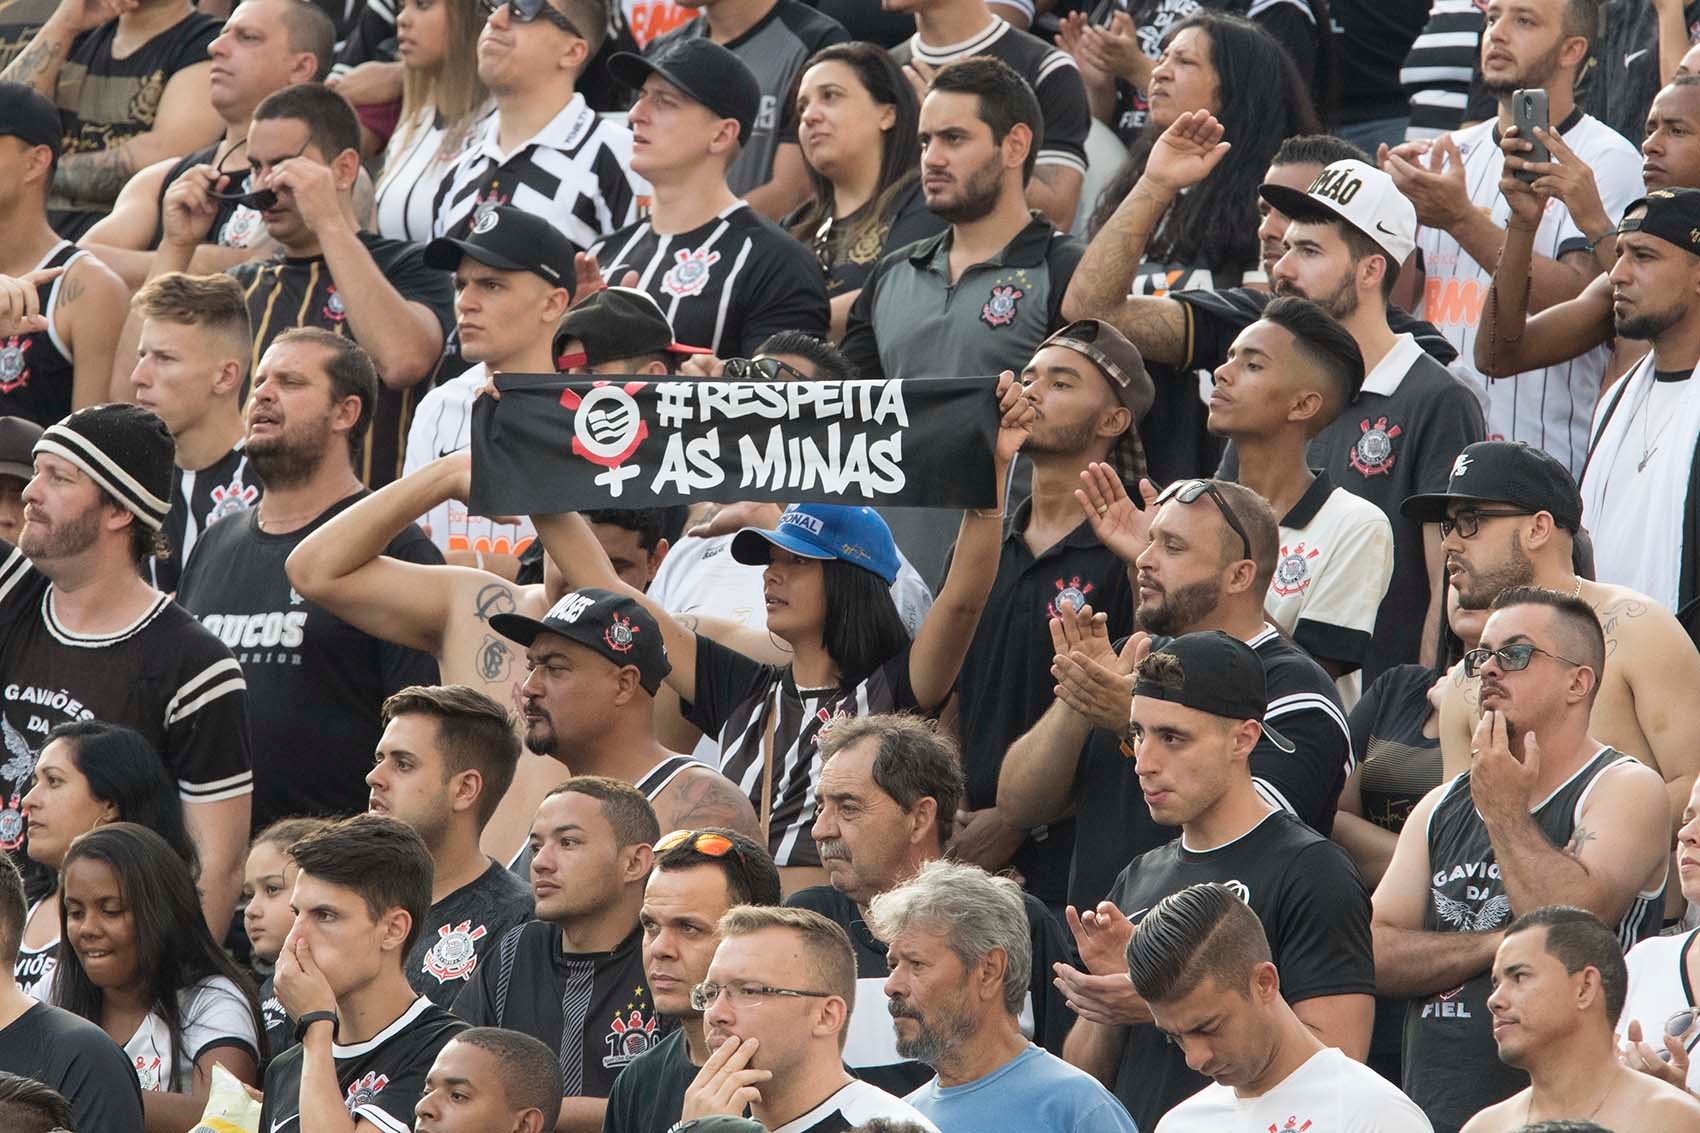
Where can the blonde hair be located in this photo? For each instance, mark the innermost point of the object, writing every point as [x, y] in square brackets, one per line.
[831, 960]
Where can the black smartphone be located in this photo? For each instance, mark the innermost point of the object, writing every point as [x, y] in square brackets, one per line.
[1528, 110]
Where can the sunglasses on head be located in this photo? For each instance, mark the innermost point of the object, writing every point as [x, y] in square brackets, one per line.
[1511, 658]
[1187, 491]
[525, 11]
[705, 842]
[762, 369]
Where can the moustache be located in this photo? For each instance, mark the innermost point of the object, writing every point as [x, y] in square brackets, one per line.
[899, 1010]
[833, 848]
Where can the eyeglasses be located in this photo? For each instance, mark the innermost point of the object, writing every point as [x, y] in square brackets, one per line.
[258, 199]
[525, 11]
[1467, 521]
[745, 994]
[762, 369]
[1511, 658]
[1186, 491]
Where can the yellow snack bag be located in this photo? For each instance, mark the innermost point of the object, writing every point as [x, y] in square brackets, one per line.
[229, 1108]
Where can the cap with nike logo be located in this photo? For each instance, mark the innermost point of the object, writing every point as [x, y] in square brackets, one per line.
[1359, 194]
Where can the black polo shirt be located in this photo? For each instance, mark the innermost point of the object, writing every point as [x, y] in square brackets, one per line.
[1006, 683]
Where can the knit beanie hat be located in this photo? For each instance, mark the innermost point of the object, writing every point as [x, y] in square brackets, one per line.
[125, 449]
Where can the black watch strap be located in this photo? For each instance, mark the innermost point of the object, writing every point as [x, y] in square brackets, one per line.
[312, 1017]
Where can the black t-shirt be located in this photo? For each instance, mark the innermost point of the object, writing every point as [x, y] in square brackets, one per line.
[1398, 764]
[163, 675]
[462, 929]
[870, 23]
[36, 370]
[198, 500]
[1374, 36]
[81, 1061]
[1626, 64]
[592, 1008]
[848, 252]
[775, 283]
[1314, 909]
[315, 683]
[286, 292]
[20, 21]
[735, 697]
[234, 223]
[649, 1094]
[1112, 822]
[871, 1049]
[1006, 683]
[382, 1079]
[280, 1028]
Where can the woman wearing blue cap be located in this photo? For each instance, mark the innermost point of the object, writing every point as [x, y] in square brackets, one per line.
[829, 569]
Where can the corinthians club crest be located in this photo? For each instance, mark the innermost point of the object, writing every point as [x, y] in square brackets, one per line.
[1373, 453]
[454, 955]
[1000, 307]
[363, 1090]
[1292, 569]
[14, 370]
[629, 1037]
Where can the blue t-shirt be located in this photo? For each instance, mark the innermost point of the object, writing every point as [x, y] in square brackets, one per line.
[1035, 1091]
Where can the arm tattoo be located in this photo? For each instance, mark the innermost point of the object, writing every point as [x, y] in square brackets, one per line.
[1577, 840]
[689, 621]
[495, 661]
[493, 598]
[38, 64]
[96, 177]
[71, 291]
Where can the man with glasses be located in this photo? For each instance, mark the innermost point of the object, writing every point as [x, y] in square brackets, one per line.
[1201, 708]
[544, 151]
[303, 158]
[776, 1010]
[573, 978]
[1545, 815]
[698, 875]
[1203, 553]
[1510, 517]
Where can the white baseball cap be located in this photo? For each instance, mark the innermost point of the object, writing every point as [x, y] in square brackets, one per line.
[1359, 194]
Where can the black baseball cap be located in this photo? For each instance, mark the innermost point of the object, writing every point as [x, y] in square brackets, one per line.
[617, 627]
[30, 116]
[615, 323]
[1219, 674]
[703, 69]
[1509, 472]
[1673, 215]
[509, 239]
[17, 446]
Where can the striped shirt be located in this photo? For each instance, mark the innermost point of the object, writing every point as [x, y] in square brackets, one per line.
[1549, 408]
[1442, 70]
[727, 284]
[442, 425]
[1051, 73]
[574, 173]
[162, 675]
[200, 498]
[419, 157]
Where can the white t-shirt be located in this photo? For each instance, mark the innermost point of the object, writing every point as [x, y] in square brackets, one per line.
[215, 1014]
[1658, 989]
[1330, 1093]
[856, 1104]
[442, 424]
[1548, 408]
[1332, 571]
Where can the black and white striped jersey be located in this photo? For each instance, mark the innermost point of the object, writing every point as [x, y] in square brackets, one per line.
[575, 173]
[200, 498]
[727, 284]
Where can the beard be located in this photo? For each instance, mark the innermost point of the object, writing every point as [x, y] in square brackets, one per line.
[1063, 439]
[933, 1038]
[1486, 584]
[979, 196]
[69, 537]
[1342, 302]
[291, 455]
[1536, 74]
[1649, 326]
[1179, 609]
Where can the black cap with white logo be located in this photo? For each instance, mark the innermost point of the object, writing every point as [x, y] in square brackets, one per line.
[1215, 673]
[1506, 472]
[606, 622]
[509, 239]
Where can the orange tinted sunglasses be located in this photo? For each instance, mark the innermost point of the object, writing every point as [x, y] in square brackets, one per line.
[702, 841]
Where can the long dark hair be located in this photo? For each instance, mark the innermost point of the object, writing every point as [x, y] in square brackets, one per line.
[899, 165]
[174, 950]
[1263, 101]
[123, 769]
[862, 630]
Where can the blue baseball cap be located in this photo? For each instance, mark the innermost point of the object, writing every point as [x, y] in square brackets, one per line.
[856, 535]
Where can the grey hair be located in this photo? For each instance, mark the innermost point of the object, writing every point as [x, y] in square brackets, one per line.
[978, 913]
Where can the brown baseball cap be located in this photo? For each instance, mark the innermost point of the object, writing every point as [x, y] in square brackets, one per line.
[1116, 357]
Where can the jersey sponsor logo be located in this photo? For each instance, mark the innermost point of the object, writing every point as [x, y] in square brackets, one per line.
[571, 608]
[1070, 592]
[363, 1090]
[1487, 915]
[228, 499]
[689, 273]
[1373, 453]
[650, 18]
[333, 310]
[1292, 569]
[454, 956]
[1453, 302]
[14, 369]
[622, 635]
[273, 629]
[1000, 307]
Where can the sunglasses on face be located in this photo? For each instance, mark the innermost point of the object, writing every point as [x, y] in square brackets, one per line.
[525, 11]
[762, 369]
[1511, 658]
[1467, 521]
[1187, 491]
[257, 199]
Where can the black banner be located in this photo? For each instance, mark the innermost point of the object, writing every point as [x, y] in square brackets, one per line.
[557, 443]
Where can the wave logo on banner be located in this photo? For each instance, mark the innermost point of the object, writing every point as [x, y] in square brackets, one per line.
[608, 427]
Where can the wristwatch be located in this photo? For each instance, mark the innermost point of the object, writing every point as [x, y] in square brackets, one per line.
[312, 1017]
